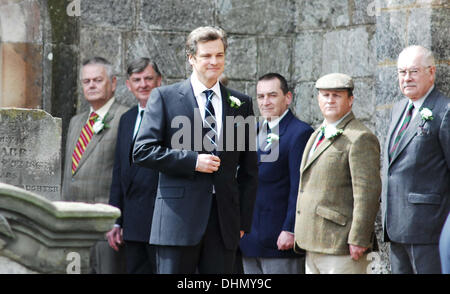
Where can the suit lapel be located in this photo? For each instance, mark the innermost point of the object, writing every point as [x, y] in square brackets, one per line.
[187, 98]
[96, 138]
[226, 111]
[327, 142]
[411, 131]
[308, 147]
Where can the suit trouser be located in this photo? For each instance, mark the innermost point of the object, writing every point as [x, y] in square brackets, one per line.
[208, 257]
[140, 257]
[274, 265]
[105, 260]
[415, 258]
[318, 263]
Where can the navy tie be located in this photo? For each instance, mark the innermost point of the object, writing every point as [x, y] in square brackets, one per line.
[209, 123]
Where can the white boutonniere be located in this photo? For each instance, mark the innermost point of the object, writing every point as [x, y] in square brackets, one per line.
[426, 114]
[100, 125]
[331, 132]
[272, 138]
[235, 102]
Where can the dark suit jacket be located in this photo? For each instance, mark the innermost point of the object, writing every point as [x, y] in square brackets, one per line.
[416, 182]
[184, 196]
[91, 182]
[133, 188]
[276, 196]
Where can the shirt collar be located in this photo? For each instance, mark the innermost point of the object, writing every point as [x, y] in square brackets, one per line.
[198, 87]
[140, 108]
[102, 111]
[418, 103]
[275, 122]
[335, 124]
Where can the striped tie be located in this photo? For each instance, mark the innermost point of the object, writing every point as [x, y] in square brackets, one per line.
[209, 124]
[402, 129]
[321, 138]
[85, 136]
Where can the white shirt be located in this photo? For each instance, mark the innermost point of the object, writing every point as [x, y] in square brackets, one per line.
[216, 101]
[325, 123]
[138, 120]
[102, 111]
[275, 122]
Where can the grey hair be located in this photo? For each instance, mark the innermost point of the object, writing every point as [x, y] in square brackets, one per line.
[204, 34]
[427, 55]
[140, 64]
[102, 61]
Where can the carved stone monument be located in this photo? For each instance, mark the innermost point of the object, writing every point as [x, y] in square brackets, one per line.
[40, 236]
[30, 151]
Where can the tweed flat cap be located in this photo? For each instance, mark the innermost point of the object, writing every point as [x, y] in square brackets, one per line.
[335, 81]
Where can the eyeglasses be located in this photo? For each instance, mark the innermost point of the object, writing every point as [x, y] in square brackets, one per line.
[412, 72]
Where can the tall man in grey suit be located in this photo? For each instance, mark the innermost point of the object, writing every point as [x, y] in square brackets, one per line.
[89, 157]
[416, 167]
[206, 193]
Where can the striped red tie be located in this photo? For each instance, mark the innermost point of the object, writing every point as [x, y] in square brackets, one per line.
[321, 138]
[85, 137]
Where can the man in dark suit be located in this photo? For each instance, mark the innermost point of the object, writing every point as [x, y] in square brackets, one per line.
[90, 148]
[416, 167]
[133, 188]
[206, 191]
[268, 248]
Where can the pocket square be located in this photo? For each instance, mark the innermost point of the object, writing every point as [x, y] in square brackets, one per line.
[423, 131]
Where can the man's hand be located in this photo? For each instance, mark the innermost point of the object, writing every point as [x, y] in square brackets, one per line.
[241, 233]
[207, 163]
[356, 251]
[285, 240]
[115, 238]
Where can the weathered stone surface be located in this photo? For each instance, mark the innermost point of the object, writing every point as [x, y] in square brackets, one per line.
[178, 15]
[440, 19]
[321, 14]
[305, 104]
[241, 59]
[364, 11]
[20, 22]
[167, 49]
[104, 43]
[442, 78]
[30, 148]
[108, 13]
[307, 57]
[275, 55]
[41, 236]
[8, 266]
[364, 98]
[348, 51]
[419, 27]
[390, 35]
[387, 90]
[256, 16]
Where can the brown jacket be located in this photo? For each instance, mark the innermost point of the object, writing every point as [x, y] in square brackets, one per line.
[339, 191]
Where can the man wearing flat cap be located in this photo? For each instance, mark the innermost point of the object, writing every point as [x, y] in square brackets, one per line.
[340, 185]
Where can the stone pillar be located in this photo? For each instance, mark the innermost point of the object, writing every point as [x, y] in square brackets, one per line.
[400, 24]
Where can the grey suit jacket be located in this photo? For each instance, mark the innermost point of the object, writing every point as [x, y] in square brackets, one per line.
[91, 182]
[184, 196]
[416, 181]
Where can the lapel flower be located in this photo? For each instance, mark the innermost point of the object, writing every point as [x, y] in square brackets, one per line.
[426, 114]
[272, 138]
[331, 132]
[100, 125]
[235, 102]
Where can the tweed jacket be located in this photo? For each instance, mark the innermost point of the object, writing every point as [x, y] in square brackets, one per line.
[91, 182]
[339, 191]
